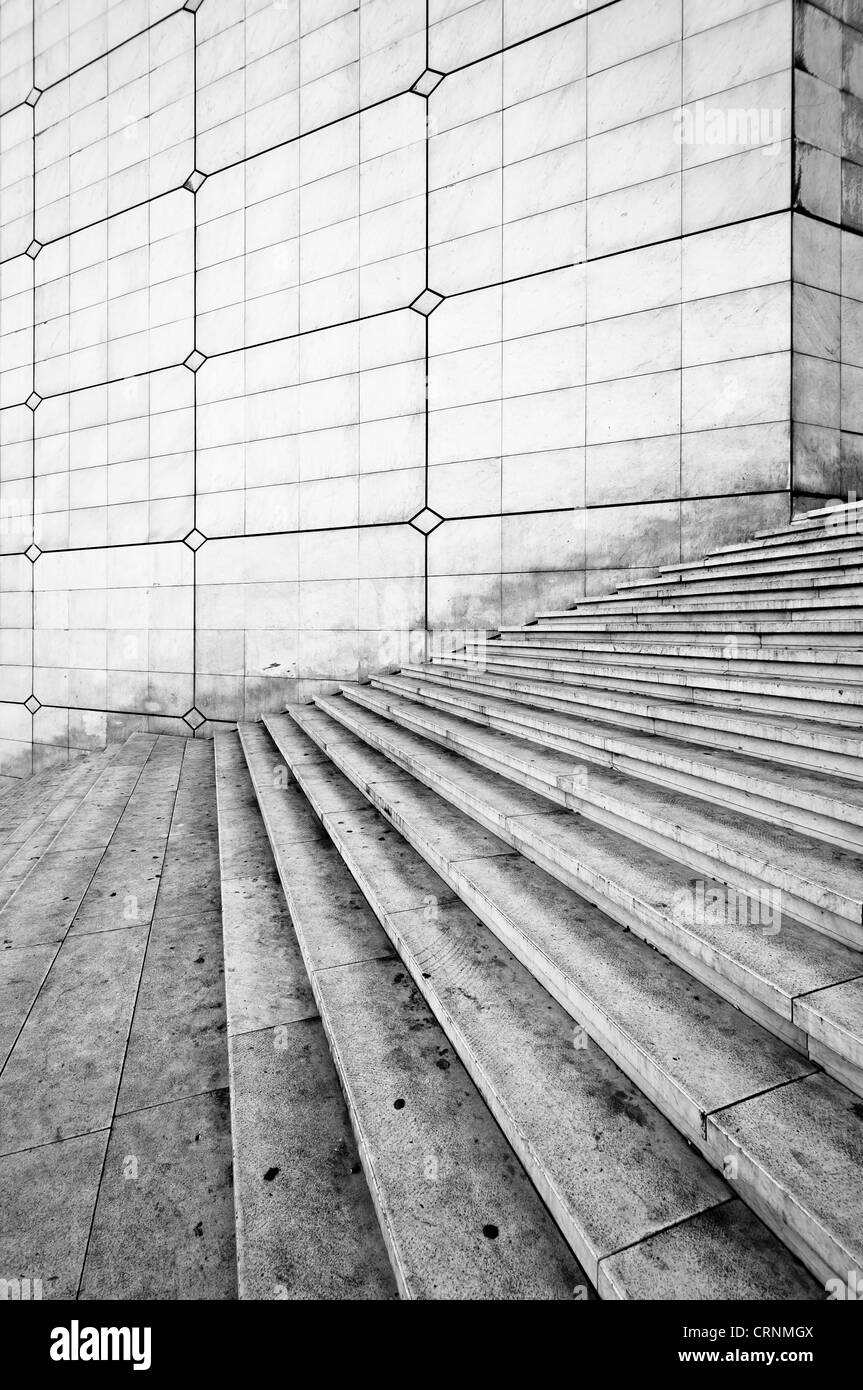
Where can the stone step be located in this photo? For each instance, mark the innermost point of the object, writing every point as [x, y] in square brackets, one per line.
[459, 1216]
[745, 946]
[783, 632]
[845, 518]
[820, 884]
[306, 1224]
[701, 1061]
[807, 581]
[818, 554]
[707, 682]
[827, 807]
[740, 651]
[799, 537]
[614, 1173]
[779, 735]
[761, 606]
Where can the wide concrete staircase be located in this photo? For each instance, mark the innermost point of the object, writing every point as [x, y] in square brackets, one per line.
[543, 969]
[579, 913]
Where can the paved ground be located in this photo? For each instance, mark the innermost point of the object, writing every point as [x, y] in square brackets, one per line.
[115, 1145]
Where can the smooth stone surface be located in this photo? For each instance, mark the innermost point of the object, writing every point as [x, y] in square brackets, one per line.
[164, 1221]
[47, 1196]
[306, 1225]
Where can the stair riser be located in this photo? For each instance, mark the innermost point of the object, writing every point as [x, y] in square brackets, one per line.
[753, 1184]
[848, 1073]
[657, 770]
[714, 861]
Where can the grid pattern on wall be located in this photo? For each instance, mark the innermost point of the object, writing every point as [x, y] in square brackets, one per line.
[324, 325]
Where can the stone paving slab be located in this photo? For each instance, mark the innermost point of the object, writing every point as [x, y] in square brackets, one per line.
[164, 1221]
[61, 1078]
[182, 979]
[47, 1196]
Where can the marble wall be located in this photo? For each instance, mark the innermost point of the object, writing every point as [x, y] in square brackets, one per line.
[326, 325]
[828, 251]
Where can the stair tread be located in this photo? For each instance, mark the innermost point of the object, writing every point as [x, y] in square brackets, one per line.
[824, 559]
[709, 1246]
[288, 1118]
[266, 984]
[809, 1136]
[843, 666]
[613, 1170]
[676, 622]
[753, 551]
[694, 669]
[826, 793]
[661, 706]
[733, 934]
[834, 877]
[386, 1045]
[640, 1006]
[655, 1001]
[719, 603]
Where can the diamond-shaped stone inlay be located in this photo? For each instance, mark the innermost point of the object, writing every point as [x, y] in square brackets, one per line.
[33, 400]
[194, 718]
[194, 181]
[33, 552]
[34, 248]
[33, 96]
[427, 81]
[426, 521]
[32, 704]
[195, 360]
[427, 302]
[194, 540]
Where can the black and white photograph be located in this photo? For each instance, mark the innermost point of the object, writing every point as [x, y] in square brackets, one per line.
[431, 668]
